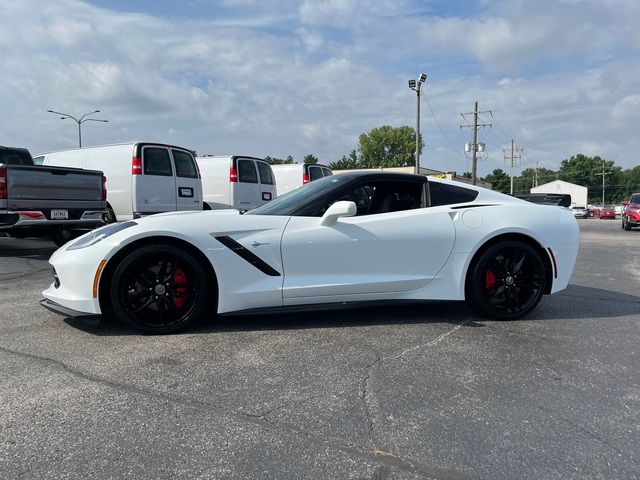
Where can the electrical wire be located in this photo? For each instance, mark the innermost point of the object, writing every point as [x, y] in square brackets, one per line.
[441, 130]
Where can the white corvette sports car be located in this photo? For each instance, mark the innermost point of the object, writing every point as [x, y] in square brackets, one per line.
[356, 237]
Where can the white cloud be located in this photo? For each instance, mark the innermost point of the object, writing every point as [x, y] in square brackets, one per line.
[559, 76]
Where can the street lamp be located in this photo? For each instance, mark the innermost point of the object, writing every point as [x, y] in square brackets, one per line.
[79, 121]
[416, 85]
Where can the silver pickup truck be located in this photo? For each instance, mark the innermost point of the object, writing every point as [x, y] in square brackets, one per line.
[47, 201]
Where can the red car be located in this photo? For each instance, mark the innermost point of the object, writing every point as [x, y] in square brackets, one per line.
[631, 213]
[608, 211]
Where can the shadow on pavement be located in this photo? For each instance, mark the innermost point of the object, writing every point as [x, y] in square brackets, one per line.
[574, 302]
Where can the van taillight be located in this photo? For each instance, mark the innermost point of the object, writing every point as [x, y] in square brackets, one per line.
[136, 166]
[3, 183]
[305, 178]
[104, 188]
[233, 175]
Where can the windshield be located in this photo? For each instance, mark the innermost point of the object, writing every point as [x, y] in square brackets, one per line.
[288, 203]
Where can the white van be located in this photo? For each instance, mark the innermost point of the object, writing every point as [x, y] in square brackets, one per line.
[234, 181]
[142, 178]
[294, 175]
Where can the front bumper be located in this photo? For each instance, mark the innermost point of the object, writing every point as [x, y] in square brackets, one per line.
[65, 311]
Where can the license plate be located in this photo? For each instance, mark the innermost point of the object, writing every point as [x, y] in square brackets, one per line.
[59, 214]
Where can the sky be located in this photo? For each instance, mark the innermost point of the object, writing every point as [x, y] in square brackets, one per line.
[275, 77]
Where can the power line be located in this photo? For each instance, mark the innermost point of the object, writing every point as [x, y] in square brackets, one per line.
[441, 130]
[497, 124]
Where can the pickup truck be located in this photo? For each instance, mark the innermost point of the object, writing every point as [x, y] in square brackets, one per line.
[48, 201]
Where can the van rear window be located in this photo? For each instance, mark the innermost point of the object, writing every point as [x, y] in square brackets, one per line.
[247, 171]
[157, 161]
[185, 166]
[315, 173]
[266, 176]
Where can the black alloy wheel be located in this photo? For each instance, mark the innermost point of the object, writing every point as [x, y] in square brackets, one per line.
[507, 281]
[625, 221]
[158, 289]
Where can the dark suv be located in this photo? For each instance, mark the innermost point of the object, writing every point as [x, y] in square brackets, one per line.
[631, 213]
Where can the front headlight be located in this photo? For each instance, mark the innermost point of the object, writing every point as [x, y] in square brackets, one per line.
[99, 234]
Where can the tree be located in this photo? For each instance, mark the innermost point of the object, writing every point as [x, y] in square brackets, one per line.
[499, 180]
[310, 158]
[278, 161]
[527, 179]
[347, 162]
[387, 146]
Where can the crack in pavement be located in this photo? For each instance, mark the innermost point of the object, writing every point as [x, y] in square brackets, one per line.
[367, 398]
[376, 455]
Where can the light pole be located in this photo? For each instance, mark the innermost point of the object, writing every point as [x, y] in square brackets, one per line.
[79, 121]
[416, 85]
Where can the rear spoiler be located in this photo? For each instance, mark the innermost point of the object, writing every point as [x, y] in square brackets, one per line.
[559, 199]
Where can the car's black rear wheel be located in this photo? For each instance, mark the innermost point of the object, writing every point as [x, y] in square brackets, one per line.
[627, 227]
[158, 289]
[507, 281]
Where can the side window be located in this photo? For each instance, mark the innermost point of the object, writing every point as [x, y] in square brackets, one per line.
[266, 176]
[377, 197]
[315, 173]
[156, 161]
[443, 194]
[327, 171]
[185, 166]
[247, 171]
[38, 160]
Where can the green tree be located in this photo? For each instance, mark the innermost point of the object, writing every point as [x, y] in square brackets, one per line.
[347, 162]
[527, 179]
[387, 146]
[278, 161]
[499, 180]
[310, 158]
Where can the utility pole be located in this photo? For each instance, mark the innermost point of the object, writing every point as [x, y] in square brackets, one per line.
[603, 175]
[474, 145]
[536, 177]
[514, 155]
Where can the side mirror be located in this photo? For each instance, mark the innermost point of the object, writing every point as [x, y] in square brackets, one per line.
[338, 210]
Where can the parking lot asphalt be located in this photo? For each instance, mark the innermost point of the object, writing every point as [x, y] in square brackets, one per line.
[387, 393]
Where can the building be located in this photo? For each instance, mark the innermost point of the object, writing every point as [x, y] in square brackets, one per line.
[578, 192]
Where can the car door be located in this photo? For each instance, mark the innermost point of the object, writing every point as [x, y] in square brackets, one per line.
[247, 188]
[155, 190]
[188, 184]
[267, 182]
[383, 250]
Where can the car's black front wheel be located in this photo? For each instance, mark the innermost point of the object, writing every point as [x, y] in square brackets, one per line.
[507, 281]
[158, 289]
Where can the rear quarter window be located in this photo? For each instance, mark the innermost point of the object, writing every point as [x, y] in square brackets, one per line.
[185, 166]
[443, 194]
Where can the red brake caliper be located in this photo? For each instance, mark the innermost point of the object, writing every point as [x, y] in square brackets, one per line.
[180, 279]
[489, 279]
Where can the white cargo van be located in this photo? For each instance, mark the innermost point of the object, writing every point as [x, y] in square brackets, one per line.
[234, 181]
[142, 178]
[294, 175]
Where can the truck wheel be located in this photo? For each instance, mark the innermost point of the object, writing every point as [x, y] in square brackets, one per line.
[62, 235]
[109, 216]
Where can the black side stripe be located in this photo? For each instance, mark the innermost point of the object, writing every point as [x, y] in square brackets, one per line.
[474, 206]
[254, 260]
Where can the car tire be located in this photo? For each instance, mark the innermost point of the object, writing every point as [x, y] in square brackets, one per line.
[627, 227]
[158, 289]
[507, 281]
